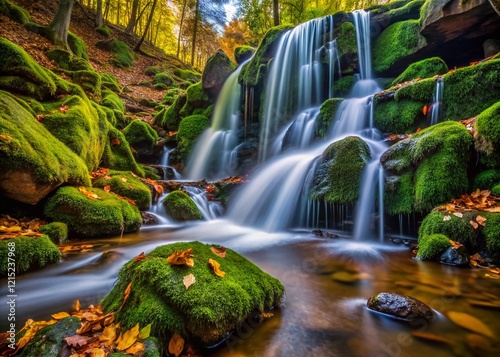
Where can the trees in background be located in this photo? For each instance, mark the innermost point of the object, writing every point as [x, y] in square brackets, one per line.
[58, 28]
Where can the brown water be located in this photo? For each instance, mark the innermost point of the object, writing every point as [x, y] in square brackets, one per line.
[327, 284]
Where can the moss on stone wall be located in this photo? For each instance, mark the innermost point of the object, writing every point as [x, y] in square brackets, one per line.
[426, 68]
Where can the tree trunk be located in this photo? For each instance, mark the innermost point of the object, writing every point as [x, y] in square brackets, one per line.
[195, 30]
[276, 13]
[133, 17]
[99, 20]
[59, 26]
[106, 11]
[180, 28]
[150, 19]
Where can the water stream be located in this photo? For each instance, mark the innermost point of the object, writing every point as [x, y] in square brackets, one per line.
[437, 101]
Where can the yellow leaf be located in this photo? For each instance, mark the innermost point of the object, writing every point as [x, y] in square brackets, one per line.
[126, 293]
[220, 251]
[176, 345]
[136, 347]
[216, 268]
[128, 338]
[189, 280]
[60, 315]
[77, 305]
[124, 179]
[470, 323]
[180, 257]
[430, 337]
[109, 334]
[144, 333]
[5, 137]
[97, 352]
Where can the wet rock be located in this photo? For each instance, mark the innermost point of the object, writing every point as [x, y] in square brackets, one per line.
[148, 218]
[455, 257]
[218, 68]
[400, 306]
[491, 47]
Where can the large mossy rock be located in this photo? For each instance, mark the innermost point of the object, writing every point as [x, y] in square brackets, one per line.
[14, 12]
[326, 116]
[181, 207]
[488, 137]
[123, 57]
[169, 118]
[243, 53]
[32, 161]
[196, 101]
[216, 71]
[426, 68]
[338, 175]
[103, 215]
[117, 154]
[430, 247]
[31, 252]
[190, 130]
[141, 136]
[206, 311]
[427, 169]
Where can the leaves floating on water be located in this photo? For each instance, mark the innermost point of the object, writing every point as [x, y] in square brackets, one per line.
[219, 250]
[180, 257]
[176, 345]
[216, 268]
[189, 280]
[470, 322]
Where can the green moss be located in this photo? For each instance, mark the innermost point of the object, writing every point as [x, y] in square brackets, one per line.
[49, 341]
[491, 231]
[123, 55]
[488, 130]
[34, 149]
[209, 309]
[103, 30]
[455, 228]
[399, 196]
[67, 61]
[190, 129]
[326, 115]
[149, 172]
[196, 98]
[253, 72]
[117, 154]
[485, 180]
[396, 42]
[469, 91]
[77, 46]
[127, 185]
[110, 82]
[426, 68]
[243, 53]
[346, 39]
[89, 81]
[14, 12]
[495, 190]
[152, 70]
[208, 111]
[171, 94]
[57, 231]
[112, 101]
[432, 246]
[381, 8]
[107, 215]
[401, 116]
[166, 79]
[181, 207]
[419, 91]
[141, 136]
[81, 127]
[170, 118]
[20, 73]
[338, 175]
[30, 253]
[187, 75]
[342, 86]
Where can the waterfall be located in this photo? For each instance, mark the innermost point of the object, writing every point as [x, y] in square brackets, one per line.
[437, 99]
[362, 23]
[296, 75]
[215, 154]
[169, 173]
[208, 209]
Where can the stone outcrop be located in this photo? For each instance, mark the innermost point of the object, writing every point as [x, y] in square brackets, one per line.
[217, 69]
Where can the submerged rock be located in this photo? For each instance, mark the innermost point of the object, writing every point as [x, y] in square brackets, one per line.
[455, 256]
[400, 306]
[208, 309]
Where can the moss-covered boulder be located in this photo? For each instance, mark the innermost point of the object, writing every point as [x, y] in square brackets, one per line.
[165, 79]
[109, 81]
[347, 47]
[488, 135]
[430, 247]
[187, 75]
[243, 53]
[14, 12]
[68, 61]
[196, 101]
[49, 341]
[427, 169]
[123, 56]
[57, 231]
[181, 207]
[486, 180]
[127, 185]
[338, 175]
[31, 252]
[117, 154]
[141, 136]
[190, 130]
[90, 216]
[396, 42]
[171, 95]
[169, 118]
[216, 71]
[32, 161]
[343, 86]
[426, 68]
[326, 116]
[206, 311]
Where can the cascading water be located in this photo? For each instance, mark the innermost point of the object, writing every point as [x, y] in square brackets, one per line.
[215, 155]
[437, 100]
[208, 209]
[169, 173]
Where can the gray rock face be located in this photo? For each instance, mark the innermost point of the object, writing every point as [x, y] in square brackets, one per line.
[218, 68]
[455, 257]
[400, 306]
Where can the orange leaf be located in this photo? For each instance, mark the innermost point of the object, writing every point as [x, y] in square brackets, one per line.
[40, 117]
[115, 141]
[220, 251]
[77, 340]
[136, 347]
[77, 305]
[60, 315]
[89, 194]
[63, 108]
[97, 352]
[140, 257]
[128, 338]
[425, 109]
[108, 335]
[126, 293]
[189, 280]
[481, 220]
[176, 345]
[107, 188]
[430, 337]
[474, 224]
[5, 137]
[471, 323]
[216, 268]
[180, 257]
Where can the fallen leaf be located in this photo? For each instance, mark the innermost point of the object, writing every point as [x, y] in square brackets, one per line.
[77, 340]
[77, 305]
[126, 293]
[470, 322]
[115, 141]
[446, 218]
[425, 109]
[180, 257]
[481, 220]
[5, 137]
[267, 315]
[458, 214]
[474, 224]
[430, 337]
[97, 352]
[216, 268]
[89, 194]
[128, 338]
[40, 117]
[176, 345]
[124, 179]
[477, 341]
[107, 188]
[63, 108]
[189, 280]
[145, 332]
[60, 315]
[136, 347]
[108, 334]
[220, 251]
[140, 257]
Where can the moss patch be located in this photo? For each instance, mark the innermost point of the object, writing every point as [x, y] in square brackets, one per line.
[209, 309]
[402, 116]
[455, 228]
[169, 118]
[57, 231]
[170, 95]
[110, 82]
[243, 53]
[117, 154]
[190, 129]
[426, 68]
[141, 136]
[30, 253]
[338, 175]
[488, 130]
[196, 98]
[108, 215]
[486, 180]
[326, 115]
[181, 207]
[14, 12]
[342, 86]
[346, 39]
[187, 75]
[123, 55]
[432, 246]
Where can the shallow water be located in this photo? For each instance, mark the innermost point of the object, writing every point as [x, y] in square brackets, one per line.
[323, 314]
